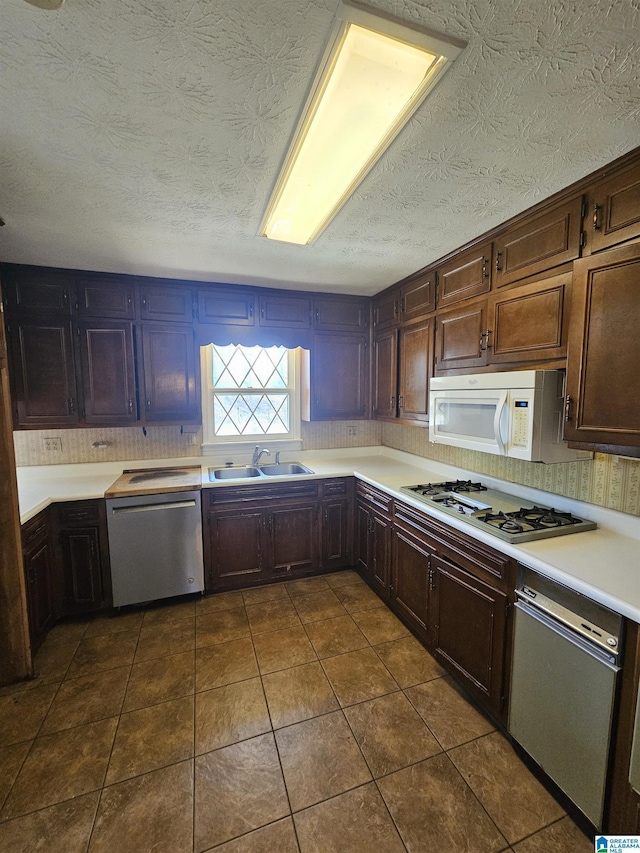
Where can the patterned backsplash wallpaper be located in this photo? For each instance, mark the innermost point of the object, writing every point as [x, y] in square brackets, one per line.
[612, 482]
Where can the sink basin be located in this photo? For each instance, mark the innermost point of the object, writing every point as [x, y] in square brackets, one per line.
[285, 468]
[233, 473]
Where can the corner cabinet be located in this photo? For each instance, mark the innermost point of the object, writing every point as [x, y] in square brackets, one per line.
[38, 560]
[603, 380]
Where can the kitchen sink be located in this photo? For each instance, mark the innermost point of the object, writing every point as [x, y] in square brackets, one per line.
[245, 472]
[284, 468]
[233, 473]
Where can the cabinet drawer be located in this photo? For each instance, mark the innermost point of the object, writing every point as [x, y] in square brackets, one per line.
[334, 487]
[474, 556]
[374, 497]
[275, 492]
[35, 529]
[79, 512]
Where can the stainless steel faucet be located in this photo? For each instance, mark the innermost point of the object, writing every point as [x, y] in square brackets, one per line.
[257, 453]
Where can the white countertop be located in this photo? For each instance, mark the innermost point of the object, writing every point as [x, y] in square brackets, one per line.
[604, 564]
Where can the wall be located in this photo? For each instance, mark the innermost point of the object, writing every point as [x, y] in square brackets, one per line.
[607, 481]
[165, 442]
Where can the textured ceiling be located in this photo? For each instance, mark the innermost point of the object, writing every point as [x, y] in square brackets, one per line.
[145, 136]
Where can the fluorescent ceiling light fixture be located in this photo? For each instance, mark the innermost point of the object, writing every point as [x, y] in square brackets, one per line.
[375, 74]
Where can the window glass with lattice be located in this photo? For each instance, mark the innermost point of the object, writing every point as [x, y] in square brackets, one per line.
[250, 392]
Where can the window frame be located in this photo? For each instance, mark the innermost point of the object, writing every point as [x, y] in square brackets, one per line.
[283, 441]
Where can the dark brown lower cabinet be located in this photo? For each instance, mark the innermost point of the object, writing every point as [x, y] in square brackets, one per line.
[38, 560]
[259, 534]
[411, 566]
[467, 627]
[373, 537]
[83, 558]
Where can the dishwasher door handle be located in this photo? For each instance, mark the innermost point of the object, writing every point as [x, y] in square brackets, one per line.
[118, 510]
[560, 628]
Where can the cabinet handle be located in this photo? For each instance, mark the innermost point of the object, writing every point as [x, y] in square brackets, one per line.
[144, 301]
[596, 217]
[148, 404]
[395, 308]
[488, 338]
[130, 405]
[485, 274]
[403, 305]
[482, 345]
[392, 402]
[251, 310]
[498, 264]
[129, 301]
[567, 408]
[65, 298]
[317, 316]
[326, 516]
[431, 580]
[72, 406]
[401, 401]
[262, 312]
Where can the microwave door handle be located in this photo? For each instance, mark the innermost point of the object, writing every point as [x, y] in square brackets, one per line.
[501, 409]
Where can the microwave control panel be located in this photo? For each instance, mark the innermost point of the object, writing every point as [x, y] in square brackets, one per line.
[520, 423]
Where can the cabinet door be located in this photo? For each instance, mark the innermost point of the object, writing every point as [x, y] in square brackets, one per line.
[288, 312]
[105, 298]
[341, 315]
[380, 554]
[38, 291]
[416, 368]
[108, 373]
[38, 569]
[603, 380]
[385, 374]
[410, 578]
[230, 307]
[235, 547]
[339, 377]
[171, 391]
[467, 275]
[81, 570]
[293, 539]
[418, 298]
[467, 624]
[530, 323]
[385, 310]
[336, 550]
[43, 372]
[362, 543]
[167, 303]
[615, 210]
[461, 339]
[540, 243]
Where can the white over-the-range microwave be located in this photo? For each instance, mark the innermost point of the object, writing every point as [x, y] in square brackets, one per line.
[516, 413]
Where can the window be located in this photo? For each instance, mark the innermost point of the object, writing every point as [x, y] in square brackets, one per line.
[249, 392]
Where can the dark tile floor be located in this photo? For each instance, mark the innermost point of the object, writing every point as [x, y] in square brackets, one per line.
[296, 717]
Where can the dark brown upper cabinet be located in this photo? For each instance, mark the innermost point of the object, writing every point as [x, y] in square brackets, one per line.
[341, 314]
[542, 242]
[603, 379]
[231, 306]
[461, 339]
[38, 290]
[338, 378]
[416, 368]
[614, 210]
[466, 275]
[530, 323]
[385, 310]
[108, 372]
[418, 298]
[385, 375]
[42, 371]
[282, 311]
[170, 382]
[167, 303]
[105, 298]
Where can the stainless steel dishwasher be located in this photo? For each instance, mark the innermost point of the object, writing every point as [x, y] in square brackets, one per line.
[155, 544]
[565, 667]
